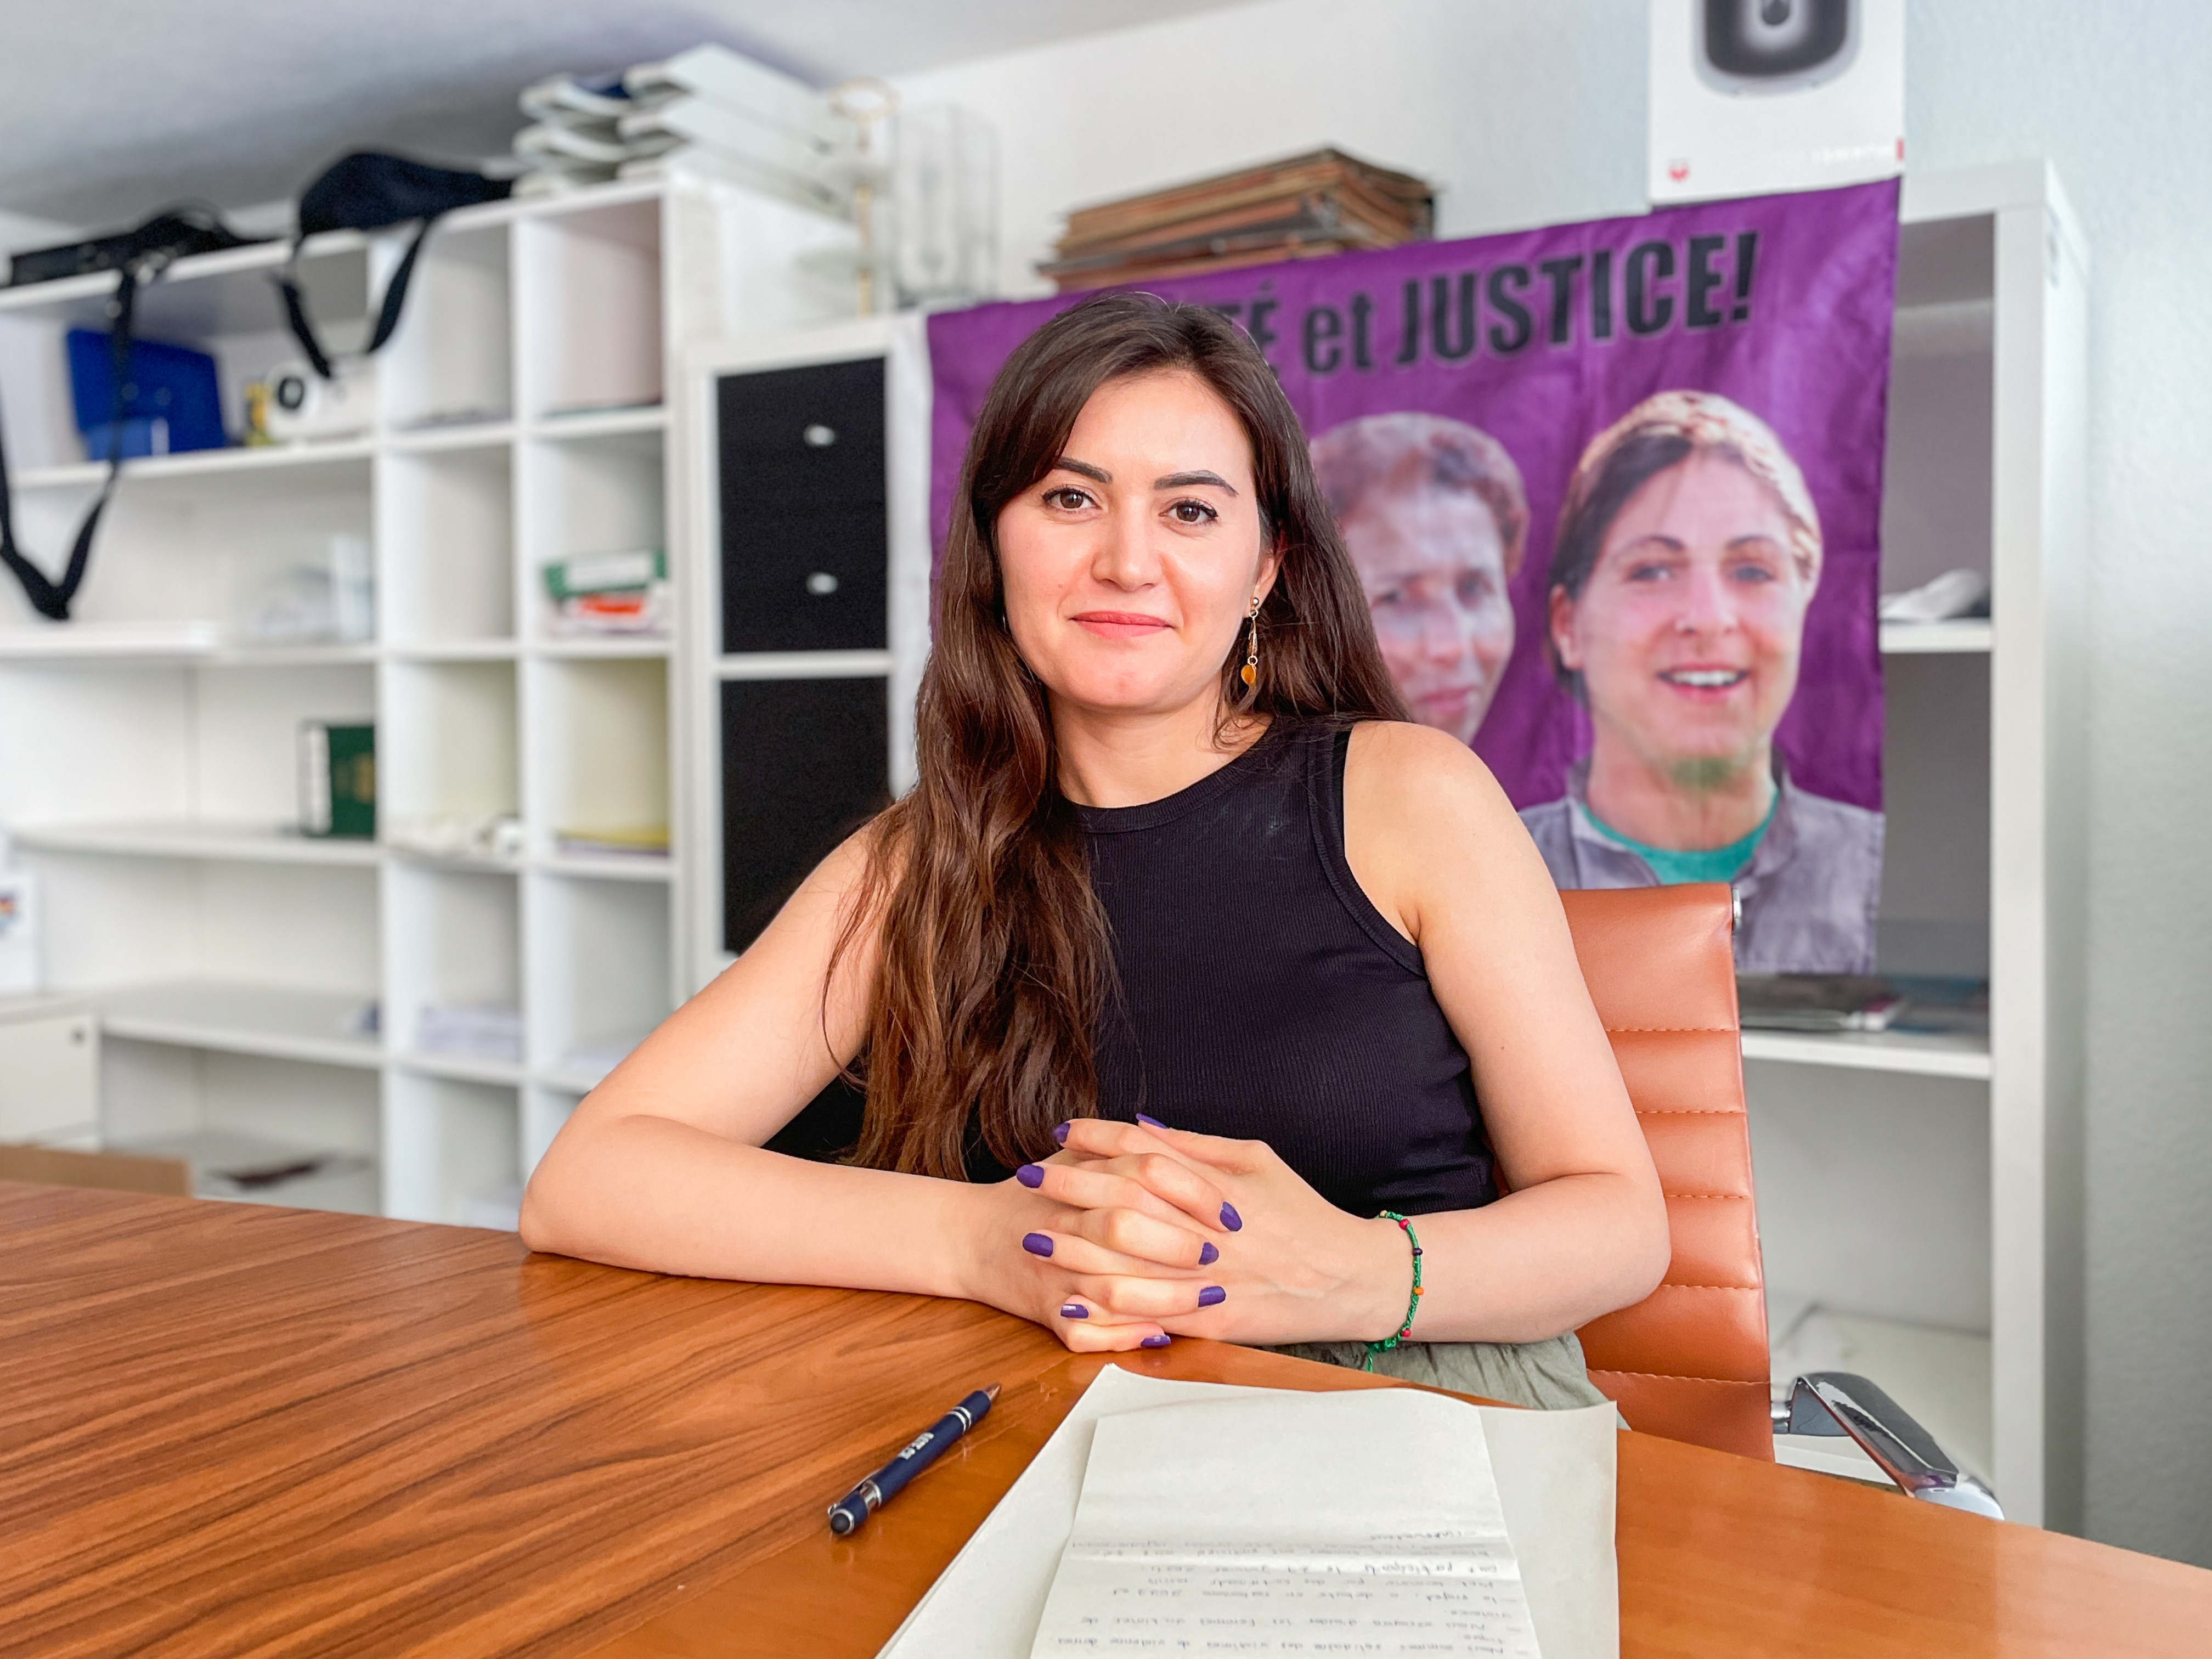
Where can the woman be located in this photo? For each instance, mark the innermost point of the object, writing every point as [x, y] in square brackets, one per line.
[1129, 892]
[1687, 553]
[1435, 516]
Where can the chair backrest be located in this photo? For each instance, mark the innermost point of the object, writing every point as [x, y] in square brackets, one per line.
[1690, 1361]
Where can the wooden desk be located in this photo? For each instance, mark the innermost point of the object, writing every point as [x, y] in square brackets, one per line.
[232, 1430]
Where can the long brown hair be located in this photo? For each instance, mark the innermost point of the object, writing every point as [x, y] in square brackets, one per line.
[995, 959]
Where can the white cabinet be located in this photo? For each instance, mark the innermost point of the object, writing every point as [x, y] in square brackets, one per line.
[49, 1071]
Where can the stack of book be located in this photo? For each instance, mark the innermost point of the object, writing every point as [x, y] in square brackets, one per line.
[708, 109]
[1297, 209]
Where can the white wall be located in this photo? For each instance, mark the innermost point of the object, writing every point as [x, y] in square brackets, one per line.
[1530, 111]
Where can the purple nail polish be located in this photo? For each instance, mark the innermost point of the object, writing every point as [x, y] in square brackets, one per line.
[1060, 1134]
[1229, 1218]
[1207, 1255]
[1032, 1176]
[1073, 1310]
[1150, 1123]
[1037, 1243]
[1156, 1342]
[1212, 1294]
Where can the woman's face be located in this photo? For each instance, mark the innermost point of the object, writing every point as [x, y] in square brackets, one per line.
[1687, 631]
[1129, 568]
[1433, 566]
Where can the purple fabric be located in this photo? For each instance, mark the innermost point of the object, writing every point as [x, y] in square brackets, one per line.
[1781, 303]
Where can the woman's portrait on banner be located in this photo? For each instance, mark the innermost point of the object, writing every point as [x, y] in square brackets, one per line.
[1437, 518]
[1688, 552]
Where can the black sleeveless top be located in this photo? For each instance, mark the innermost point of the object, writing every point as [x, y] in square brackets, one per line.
[1264, 997]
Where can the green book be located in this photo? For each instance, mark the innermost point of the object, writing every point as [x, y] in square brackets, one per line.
[337, 779]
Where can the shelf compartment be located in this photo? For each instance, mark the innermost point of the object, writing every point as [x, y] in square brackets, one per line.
[221, 303]
[276, 1022]
[253, 1169]
[446, 747]
[589, 285]
[450, 360]
[1940, 467]
[601, 972]
[183, 545]
[446, 529]
[218, 1108]
[1934, 916]
[449, 1144]
[600, 495]
[599, 752]
[455, 946]
[116, 922]
[246, 721]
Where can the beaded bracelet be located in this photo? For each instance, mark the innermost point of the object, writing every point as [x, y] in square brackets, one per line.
[1413, 1301]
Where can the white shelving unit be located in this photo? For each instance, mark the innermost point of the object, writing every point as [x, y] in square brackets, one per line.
[1920, 1194]
[255, 982]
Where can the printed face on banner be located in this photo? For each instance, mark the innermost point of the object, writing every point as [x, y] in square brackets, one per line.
[1612, 491]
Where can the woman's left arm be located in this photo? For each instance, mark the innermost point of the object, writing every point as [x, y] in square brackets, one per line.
[1439, 851]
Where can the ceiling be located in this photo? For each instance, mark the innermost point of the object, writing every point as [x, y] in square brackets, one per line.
[115, 108]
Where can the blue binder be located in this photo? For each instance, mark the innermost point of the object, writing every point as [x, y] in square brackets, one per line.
[171, 403]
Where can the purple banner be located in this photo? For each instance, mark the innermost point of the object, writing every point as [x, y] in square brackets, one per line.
[1748, 341]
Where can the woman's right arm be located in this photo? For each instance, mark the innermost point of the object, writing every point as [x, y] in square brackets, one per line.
[662, 1166]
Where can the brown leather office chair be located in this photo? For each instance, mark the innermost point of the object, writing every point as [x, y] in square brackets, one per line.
[1690, 1361]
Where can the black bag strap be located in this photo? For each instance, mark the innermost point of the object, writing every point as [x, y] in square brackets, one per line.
[296, 313]
[387, 314]
[49, 597]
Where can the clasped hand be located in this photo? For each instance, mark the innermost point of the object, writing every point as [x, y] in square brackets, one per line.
[1133, 1234]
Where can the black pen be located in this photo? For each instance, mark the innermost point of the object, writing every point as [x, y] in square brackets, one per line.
[917, 1455]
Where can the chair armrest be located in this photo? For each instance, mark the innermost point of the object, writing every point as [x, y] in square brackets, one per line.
[1839, 1403]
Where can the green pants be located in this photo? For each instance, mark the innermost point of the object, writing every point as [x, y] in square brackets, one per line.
[1547, 1375]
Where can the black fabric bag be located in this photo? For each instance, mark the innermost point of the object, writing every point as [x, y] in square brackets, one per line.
[140, 255]
[367, 190]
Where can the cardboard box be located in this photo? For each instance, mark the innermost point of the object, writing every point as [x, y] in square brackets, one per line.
[121, 1172]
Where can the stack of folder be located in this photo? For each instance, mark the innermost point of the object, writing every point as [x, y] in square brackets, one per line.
[708, 109]
[1299, 207]
[575, 138]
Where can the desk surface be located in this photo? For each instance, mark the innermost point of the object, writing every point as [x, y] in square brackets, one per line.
[234, 1430]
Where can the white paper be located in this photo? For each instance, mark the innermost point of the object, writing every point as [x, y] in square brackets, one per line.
[1366, 1522]
[1555, 1478]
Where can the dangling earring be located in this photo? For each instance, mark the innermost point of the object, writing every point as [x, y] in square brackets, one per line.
[1251, 675]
